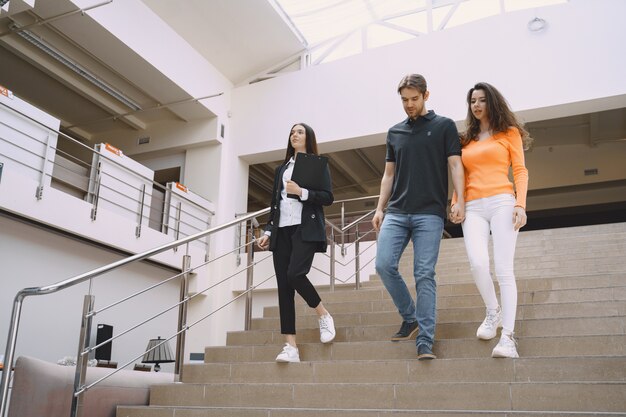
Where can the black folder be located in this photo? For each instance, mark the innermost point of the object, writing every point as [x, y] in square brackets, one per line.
[309, 172]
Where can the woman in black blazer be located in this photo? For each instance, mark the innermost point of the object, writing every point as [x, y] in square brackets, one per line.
[294, 232]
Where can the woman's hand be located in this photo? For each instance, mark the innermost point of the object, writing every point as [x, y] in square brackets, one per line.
[263, 242]
[519, 217]
[293, 188]
[457, 213]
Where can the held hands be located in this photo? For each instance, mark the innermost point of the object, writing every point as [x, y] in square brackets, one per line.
[457, 212]
[293, 188]
[519, 217]
[263, 242]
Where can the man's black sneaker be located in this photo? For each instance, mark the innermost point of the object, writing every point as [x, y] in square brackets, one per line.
[406, 332]
[425, 353]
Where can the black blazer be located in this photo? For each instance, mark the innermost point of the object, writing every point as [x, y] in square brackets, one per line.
[313, 223]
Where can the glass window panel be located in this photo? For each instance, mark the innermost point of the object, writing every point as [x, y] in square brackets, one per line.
[438, 14]
[351, 46]
[385, 8]
[472, 10]
[325, 20]
[416, 21]
[381, 35]
[512, 5]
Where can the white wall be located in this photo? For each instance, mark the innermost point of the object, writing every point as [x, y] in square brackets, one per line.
[352, 102]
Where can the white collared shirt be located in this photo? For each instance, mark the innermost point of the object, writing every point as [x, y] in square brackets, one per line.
[290, 208]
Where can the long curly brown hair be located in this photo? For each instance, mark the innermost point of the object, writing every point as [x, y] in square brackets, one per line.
[501, 118]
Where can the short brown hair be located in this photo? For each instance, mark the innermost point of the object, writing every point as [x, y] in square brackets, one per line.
[415, 81]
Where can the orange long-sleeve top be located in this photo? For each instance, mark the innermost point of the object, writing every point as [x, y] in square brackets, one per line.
[487, 163]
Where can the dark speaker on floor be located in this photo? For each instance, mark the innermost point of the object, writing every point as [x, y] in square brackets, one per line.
[104, 332]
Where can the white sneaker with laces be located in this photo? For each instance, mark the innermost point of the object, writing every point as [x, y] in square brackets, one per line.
[288, 354]
[327, 328]
[489, 327]
[506, 347]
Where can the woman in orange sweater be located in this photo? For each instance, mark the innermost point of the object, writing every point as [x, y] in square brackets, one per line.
[493, 142]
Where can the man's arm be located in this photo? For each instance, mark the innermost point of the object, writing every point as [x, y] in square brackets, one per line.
[457, 211]
[386, 184]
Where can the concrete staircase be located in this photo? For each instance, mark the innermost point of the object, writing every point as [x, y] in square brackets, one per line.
[571, 331]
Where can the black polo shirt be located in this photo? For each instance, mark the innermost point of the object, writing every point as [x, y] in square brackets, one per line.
[420, 150]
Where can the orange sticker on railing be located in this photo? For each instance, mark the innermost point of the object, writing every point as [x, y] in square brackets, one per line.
[113, 149]
[6, 92]
[181, 187]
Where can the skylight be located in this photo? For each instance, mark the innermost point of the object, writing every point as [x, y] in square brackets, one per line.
[333, 29]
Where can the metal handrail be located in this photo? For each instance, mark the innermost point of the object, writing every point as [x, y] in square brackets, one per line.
[70, 282]
[89, 312]
[90, 149]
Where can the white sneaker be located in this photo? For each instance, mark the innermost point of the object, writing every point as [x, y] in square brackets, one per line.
[289, 354]
[327, 328]
[506, 347]
[489, 328]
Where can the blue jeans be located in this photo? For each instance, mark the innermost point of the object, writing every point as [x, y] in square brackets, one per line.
[425, 231]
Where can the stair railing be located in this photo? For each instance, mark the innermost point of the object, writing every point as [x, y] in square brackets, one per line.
[66, 164]
[343, 232]
[49, 159]
[89, 312]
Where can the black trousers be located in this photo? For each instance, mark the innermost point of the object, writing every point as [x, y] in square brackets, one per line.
[292, 261]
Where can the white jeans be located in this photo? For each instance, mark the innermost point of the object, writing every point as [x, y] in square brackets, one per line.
[493, 214]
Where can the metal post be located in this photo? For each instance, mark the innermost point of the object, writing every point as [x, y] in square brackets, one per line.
[357, 259]
[140, 214]
[81, 357]
[96, 192]
[207, 240]
[332, 261]
[182, 319]
[44, 167]
[249, 278]
[177, 224]
[9, 352]
[343, 233]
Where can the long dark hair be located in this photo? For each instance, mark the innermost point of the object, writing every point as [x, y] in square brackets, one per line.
[501, 117]
[311, 142]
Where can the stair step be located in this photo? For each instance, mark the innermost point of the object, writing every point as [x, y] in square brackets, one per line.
[571, 333]
[374, 289]
[162, 411]
[556, 369]
[581, 396]
[568, 282]
[548, 346]
[607, 294]
[529, 327]
[458, 315]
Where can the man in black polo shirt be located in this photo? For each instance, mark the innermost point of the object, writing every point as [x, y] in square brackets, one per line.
[414, 188]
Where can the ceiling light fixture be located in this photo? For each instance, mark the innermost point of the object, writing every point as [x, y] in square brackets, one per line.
[537, 24]
[63, 59]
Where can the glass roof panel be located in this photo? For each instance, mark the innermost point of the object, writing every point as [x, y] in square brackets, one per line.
[415, 22]
[338, 28]
[471, 10]
[378, 35]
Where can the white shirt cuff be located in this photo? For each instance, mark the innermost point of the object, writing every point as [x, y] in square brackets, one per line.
[305, 194]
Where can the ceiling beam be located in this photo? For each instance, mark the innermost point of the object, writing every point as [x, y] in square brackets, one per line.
[342, 165]
[63, 74]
